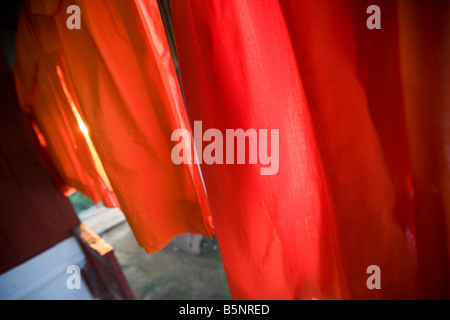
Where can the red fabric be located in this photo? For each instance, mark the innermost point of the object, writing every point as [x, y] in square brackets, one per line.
[363, 120]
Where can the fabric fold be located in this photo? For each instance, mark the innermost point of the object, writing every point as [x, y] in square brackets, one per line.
[117, 72]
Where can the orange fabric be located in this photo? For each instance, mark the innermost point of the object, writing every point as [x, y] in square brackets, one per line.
[363, 120]
[115, 76]
[44, 96]
[363, 128]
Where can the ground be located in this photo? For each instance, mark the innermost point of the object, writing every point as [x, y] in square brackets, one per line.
[169, 273]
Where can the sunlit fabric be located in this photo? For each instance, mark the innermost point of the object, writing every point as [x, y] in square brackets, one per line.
[364, 133]
[106, 99]
[54, 117]
[364, 142]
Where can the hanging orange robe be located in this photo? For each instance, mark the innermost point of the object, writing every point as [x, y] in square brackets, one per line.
[117, 76]
[363, 126]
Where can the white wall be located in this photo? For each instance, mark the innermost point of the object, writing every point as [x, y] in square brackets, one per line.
[44, 277]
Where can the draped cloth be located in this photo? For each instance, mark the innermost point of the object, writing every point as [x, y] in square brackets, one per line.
[363, 143]
[105, 100]
[364, 133]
